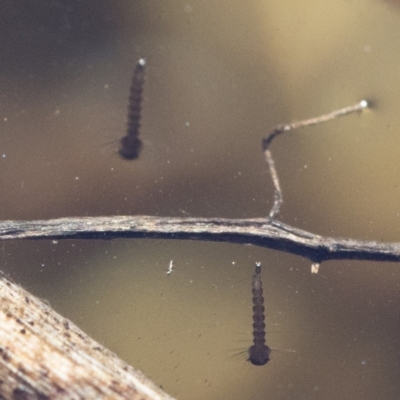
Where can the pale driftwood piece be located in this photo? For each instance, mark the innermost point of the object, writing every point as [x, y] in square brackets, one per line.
[259, 232]
[45, 356]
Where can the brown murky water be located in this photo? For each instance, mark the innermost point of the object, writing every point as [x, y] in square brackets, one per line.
[220, 76]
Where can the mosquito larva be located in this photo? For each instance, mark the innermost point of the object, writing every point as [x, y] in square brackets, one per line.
[259, 352]
[130, 144]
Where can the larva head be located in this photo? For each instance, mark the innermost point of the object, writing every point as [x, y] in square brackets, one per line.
[259, 354]
[130, 147]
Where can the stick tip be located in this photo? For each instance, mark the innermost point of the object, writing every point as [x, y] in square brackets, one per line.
[142, 62]
[364, 104]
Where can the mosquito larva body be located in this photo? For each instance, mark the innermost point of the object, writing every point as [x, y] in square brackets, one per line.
[259, 352]
[130, 144]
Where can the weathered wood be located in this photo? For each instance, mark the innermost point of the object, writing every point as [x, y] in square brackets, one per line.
[45, 356]
[259, 232]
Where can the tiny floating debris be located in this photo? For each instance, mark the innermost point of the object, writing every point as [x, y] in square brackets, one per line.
[170, 267]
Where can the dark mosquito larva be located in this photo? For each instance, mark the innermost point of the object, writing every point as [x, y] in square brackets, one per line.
[131, 144]
[259, 352]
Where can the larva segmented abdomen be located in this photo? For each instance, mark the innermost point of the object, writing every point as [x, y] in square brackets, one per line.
[259, 352]
[131, 144]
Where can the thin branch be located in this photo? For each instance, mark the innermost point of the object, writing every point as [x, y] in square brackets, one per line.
[278, 197]
[259, 232]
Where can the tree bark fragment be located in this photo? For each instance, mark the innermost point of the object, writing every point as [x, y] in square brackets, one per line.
[44, 356]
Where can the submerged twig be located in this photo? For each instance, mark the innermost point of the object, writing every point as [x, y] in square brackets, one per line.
[278, 198]
[258, 232]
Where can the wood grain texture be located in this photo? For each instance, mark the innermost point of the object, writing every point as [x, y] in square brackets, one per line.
[261, 232]
[45, 356]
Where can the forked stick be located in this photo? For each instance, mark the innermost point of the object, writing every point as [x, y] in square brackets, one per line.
[278, 198]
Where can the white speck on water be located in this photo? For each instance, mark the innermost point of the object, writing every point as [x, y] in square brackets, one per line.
[170, 267]
[367, 48]
[315, 268]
